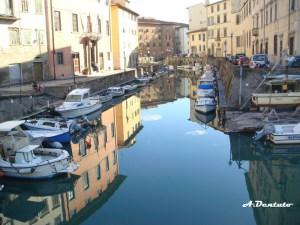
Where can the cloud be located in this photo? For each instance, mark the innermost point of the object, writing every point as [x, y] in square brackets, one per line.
[196, 133]
[154, 117]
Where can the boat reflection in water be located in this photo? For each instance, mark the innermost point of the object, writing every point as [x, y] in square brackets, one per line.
[69, 200]
[270, 178]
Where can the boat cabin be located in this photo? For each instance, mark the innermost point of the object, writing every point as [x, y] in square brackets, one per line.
[26, 155]
[282, 86]
[78, 95]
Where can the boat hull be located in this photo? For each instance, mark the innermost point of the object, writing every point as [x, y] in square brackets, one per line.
[276, 99]
[205, 108]
[78, 112]
[45, 171]
[284, 139]
[202, 93]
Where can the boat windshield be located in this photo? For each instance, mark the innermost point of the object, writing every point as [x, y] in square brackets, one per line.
[73, 98]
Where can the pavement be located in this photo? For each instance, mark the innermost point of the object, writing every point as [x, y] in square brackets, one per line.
[27, 89]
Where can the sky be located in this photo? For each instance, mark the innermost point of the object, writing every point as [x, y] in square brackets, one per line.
[169, 10]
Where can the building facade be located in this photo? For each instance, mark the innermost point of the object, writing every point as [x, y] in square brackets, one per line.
[23, 42]
[158, 38]
[197, 16]
[219, 28]
[124, 35]
[270, 27]
[182, 40]
[128, 117]
[250, 27]
[198, 42]
[78, 37]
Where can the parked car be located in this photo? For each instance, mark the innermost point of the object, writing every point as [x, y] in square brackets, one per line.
[259, 61]
[294, 62]
[244, 61]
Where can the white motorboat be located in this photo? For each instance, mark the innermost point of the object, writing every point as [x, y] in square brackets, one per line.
[21, 159]
[103, 97]
[205, 93]
[130, 87]
[50, 124]
[280, 133]
[116, 91]
[78, 103]
[205, 105]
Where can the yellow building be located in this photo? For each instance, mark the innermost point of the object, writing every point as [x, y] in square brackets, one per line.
[124, 35]
[198, 42]
[128, 117]
[270, 27]
[219, 29]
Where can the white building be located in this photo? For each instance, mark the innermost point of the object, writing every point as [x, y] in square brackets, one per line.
[197, 16]
[182, 40]
[124, 35]
[23, 44]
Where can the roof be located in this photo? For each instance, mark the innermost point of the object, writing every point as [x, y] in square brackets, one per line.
[79, 91]
[199, 30]
[147, 20]
[10, 125]
[125, 8]
[28, 148]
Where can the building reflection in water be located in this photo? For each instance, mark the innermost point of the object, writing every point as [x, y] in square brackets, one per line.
[159, 92]
[70, 200]
[270, 178]
[128, 120]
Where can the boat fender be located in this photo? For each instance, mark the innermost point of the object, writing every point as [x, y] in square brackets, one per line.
[88, 142]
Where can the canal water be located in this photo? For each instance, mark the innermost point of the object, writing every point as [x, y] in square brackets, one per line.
[151, 159]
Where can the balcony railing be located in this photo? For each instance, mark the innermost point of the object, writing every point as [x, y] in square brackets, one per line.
[255, 31]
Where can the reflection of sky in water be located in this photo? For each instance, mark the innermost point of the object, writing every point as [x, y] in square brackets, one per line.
[177, 175]
[151, 117]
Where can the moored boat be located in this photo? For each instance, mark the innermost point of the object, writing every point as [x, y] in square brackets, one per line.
[280, 133]
[205, 105]
[78, 103]
[21, 159]
[116, 91]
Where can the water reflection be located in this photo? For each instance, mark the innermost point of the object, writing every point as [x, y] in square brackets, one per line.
[270, 177]
[270, 174]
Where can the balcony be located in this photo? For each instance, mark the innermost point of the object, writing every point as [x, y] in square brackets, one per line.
[7, 14]
[255, 31]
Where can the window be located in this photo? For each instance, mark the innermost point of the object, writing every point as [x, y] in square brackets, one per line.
[105, 137]
[82, 147]
[6, 7]
[225, 6]
[218, 19]
[275, 12]
[107, 163]
[204, 48]
[266, 47]
[38, 7]
[291, 45]
[57, 220]
[98, 172]
[85, 180]
[199, 48]
[115, 157]
[71, 195]
[60, 58]
[193, 38]
[199, 37]
[24, 6]
[55, 201]
[14, 36]
[218, 7]
[225, 18]
[40, 36]
[107, 28]
[75, 22]
[45, 209]
[238, 41]
[108, 55]
[112, 128]
[225, 32]
[212, 9]
[203, 38]
[99, 25]
[57, 21]
[271, 14]
[293, 5]
[26, 37]
[275, 45]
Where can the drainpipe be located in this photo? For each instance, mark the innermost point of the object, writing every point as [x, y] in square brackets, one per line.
[264, 21]
[289, 29]
[53, 41]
